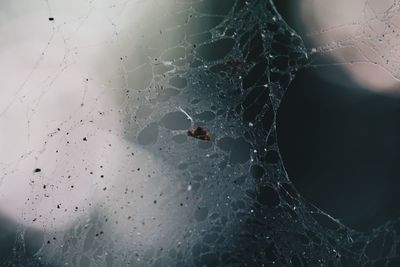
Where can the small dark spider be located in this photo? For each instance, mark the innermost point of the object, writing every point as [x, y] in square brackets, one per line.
[199, 133]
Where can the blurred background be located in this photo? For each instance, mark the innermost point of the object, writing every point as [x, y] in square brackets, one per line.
[339, 122]
[98, 97]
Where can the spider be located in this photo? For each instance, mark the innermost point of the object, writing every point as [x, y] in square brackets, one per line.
[199, 133]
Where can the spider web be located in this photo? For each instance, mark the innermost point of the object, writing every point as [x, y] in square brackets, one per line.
[152, 196]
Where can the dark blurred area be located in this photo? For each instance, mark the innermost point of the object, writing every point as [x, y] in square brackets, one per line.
[340, 144]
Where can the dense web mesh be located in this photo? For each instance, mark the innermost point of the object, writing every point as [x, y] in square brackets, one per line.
[156, 196]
